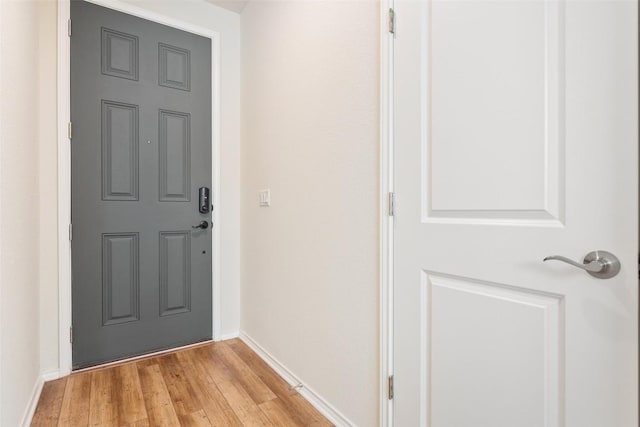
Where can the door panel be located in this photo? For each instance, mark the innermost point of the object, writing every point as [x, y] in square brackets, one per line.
[490, 160]
[469, 323]
[515, 138]
[120, 278]
[141, 148]
[119, 151]
[175, 272]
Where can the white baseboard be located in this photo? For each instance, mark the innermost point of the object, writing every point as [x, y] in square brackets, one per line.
[35, 395]
[33, 402]
[321, 404]
[50, 375]
[228, 336]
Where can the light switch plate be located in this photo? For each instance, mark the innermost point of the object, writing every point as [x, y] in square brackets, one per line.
[265, 198]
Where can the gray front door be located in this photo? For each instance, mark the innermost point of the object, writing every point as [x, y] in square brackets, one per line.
[141, 149]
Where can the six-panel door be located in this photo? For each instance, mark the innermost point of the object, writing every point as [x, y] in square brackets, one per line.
[141, 148]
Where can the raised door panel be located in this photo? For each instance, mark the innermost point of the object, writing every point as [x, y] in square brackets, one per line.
[120, 168]
[174, 67]
[175, 272]
[492, 349]
[175, 156]
[492, 98]
[120, 278]
[119, 54]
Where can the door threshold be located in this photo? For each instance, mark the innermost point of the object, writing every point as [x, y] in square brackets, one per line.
[140, 357]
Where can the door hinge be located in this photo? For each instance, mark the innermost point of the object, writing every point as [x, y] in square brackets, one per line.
[392, 204]
[70, 232]
[69, 27]
[71, 334]
[392, 21]
[70, 130]
[390, 390]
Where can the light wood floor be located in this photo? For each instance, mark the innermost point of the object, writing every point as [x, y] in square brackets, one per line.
[215, 384]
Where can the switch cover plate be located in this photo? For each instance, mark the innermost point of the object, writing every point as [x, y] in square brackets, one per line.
[265, 198]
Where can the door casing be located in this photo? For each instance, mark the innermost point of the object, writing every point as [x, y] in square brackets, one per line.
[386, 220]
[64, 164]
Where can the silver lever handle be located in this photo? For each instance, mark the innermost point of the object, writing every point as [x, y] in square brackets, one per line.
[593, 266]
[600, 264]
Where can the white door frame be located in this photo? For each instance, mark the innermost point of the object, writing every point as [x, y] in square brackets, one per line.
[64, 164]
[386, 220]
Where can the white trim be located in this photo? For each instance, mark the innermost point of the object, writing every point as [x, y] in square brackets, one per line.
[64, 164]
[33, 402]
[35, 396]
[2, 398]
[64, 189]
[50, 375]
[229, 336]
[386, 222]
[317, 401]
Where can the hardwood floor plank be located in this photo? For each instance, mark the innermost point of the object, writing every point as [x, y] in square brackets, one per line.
[103, 409]
[302, 410]
[257, 389]
[130, 400]
[240, 401]
[75, 404]
[149, 361]
[48, 409]
[218, 384]
[274, 381]
[185, 399]
[278, 414]
[156, 397]
[299, 409]
[198, 418]
[213, 402]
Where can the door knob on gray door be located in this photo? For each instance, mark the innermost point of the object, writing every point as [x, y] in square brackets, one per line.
[600, 264]
[202, 226]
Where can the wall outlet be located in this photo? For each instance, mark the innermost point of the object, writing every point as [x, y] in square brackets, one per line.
[265, 198]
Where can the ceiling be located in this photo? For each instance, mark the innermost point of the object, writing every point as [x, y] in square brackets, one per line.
[232, 5]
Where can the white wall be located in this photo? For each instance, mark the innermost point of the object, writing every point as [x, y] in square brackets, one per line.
[48, 185]
[23, 130]
[196, 12]
[310, 133]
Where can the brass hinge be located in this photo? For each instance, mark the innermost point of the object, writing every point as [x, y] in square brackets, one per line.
[392, 21]
[390, 390]
[392, 204]
[69, 27]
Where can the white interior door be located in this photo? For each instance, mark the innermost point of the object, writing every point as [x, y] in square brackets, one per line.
[516, 138]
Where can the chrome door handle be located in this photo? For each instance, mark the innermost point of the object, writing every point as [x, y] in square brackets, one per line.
[202, 226]
[600, 264]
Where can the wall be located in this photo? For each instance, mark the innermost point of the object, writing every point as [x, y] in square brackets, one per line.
[23, 129]
[48, 185]
[202, 14]
[310, 133]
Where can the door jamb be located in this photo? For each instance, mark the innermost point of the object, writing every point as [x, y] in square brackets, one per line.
[64, 164]
[386, 220]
